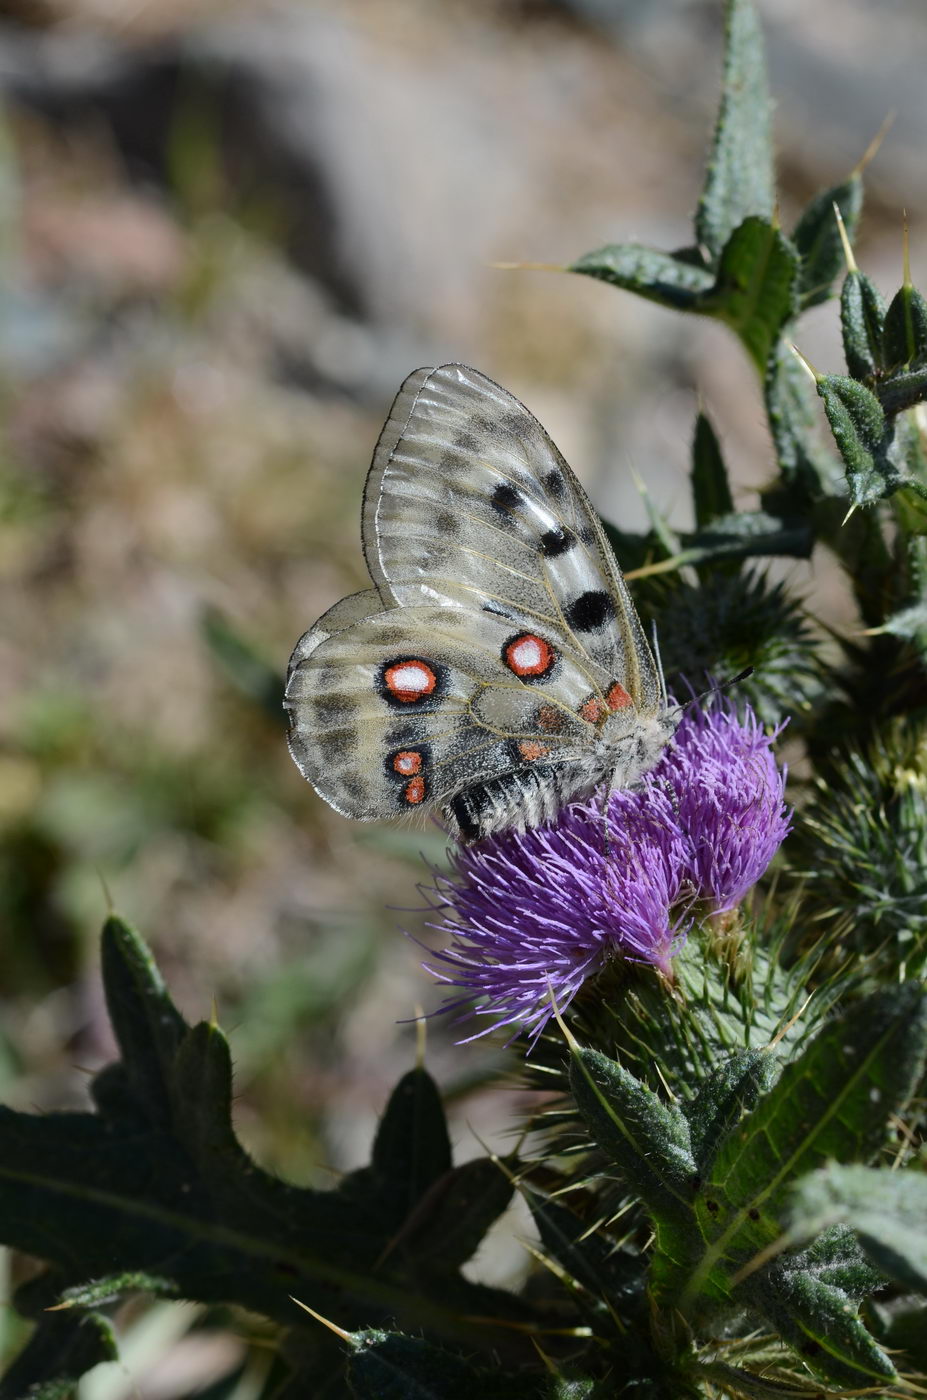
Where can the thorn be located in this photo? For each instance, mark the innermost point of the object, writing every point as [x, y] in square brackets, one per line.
[107, 896]
[59, 1307]
[214, 1014]
[528, 267]
[848, 514]
[784, 1241]
[554, 1371]
[905, 250]
[805, 363]
[845, 240]
[789, 1024]
[421, 1035]
[872, 149]
[338, 1331]
[568, 1035]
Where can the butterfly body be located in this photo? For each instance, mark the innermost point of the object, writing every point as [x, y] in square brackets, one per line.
[497, 669]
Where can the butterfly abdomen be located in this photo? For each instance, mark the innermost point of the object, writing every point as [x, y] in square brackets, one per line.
[518, 801]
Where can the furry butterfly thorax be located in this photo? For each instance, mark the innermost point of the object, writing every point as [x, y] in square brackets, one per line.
[497, 668]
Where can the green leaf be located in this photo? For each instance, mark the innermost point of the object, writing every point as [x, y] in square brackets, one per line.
[591, 1259]
[157, 1184]
[862, 320]
[822, 1325]
[738, 1382]
[147, 1025]
[832, 1102]
[659, 277]
[898, 392]
[647, 1140]
[723, 1097]
[739, 180]
[63, 1347]
[816, 236]
[807, 470]
[711, 492]
[887, 1210]
[390, 1366]
[835, 1257]
[747, 535]
[449, 1224]
[412, 1149]
[756, 290]
[858, 424]
[904, 335]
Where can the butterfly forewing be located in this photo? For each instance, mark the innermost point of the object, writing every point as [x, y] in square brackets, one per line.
[470, 504]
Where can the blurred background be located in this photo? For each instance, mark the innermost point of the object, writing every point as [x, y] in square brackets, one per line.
[227, 233]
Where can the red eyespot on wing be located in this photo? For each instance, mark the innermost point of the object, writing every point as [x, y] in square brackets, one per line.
[407, 762]
[592, 710]
[528, 655]
[409, 680]
[617, 698]
[530, 749]
[414, 791]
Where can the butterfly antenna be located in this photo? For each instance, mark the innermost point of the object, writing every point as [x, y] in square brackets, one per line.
[659, 660]
[716, 689]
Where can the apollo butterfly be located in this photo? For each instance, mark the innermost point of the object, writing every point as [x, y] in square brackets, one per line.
[497, 668]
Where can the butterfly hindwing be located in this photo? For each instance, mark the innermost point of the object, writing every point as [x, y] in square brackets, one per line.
[469, 503]
[413, 705]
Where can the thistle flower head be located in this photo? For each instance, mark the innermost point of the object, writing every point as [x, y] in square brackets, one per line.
[533, 915]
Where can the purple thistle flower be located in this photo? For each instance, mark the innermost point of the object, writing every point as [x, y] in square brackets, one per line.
[729, 798]
[541, 911]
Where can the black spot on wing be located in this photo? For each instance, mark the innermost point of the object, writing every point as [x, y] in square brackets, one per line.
[334, 709]
[446, 522]
[512, 421]
[506, 498]
[555, 484]
[590, 610]
[467, 442]
[557, 541]
[587, 535]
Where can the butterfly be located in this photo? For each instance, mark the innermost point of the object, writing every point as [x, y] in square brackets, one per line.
[497, 668]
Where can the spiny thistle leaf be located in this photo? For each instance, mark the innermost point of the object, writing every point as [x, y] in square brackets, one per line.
[857, 422]
[659, 277]
[862, 321]
[887, 1210]
[731, 1090]
[808, 469]
[711, 491]
[157, 1184]
[822, 1325]
[647, 1140]
[861, 848]
[739, 180]
[904, 334]
[832, 1102]
[817, 237]
[391, 1366]
[756, 290]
